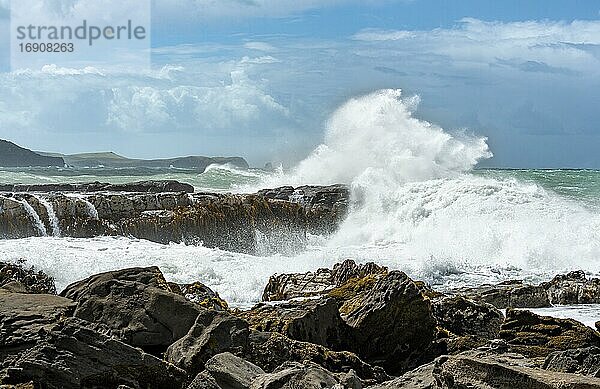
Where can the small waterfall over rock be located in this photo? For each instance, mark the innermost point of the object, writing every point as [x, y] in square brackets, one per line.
[91, 209]
[54, 222]
[37, 222]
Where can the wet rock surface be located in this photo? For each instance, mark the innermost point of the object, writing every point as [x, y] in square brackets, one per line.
[537, 336]
[573, 288]
[168, 211]
[19, 278]
[509, 294]
[137, 305]
[133, 329]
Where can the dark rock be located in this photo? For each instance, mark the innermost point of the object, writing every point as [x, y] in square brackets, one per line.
[464, 317]
[204, 381]
[72, 356]
[509, 294]
[382, 311]
[213, 333]
[315, 321]
[12, 155]
[419, 378]
[270, 350]
[137, 305]
[42, 346]
[30, 281]
[202, 295]
[538, 336]
[584, 361]
[573, 288]
[481, 370]
[232, 372]
[289, 286]
[293, 375]
[325, 206]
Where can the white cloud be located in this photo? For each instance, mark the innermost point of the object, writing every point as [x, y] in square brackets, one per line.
[260, 46]
[472, 42]
[374, 35]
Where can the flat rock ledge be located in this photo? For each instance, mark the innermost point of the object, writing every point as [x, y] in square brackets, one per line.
[354, 326]
[273, 220]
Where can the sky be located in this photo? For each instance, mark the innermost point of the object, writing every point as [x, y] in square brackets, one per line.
[259, 78]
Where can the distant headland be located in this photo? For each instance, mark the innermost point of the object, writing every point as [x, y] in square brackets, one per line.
[12, 155]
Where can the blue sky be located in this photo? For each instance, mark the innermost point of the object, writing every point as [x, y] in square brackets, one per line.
[259, 78]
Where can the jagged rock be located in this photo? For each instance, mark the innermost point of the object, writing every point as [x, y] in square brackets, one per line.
[73, 356]
[584, 361]
[289, 286]
[137, 304]
[573, 288]
[204, 381]
[314, 321]
[232, 372]
[293, 375]
[419, 378]
[213, 333]
[509, 294]
[202, 295]
[479, 322]
[382, 310]
[483, 371]
[29, 280]
[42, 346]
[538, 336]
[325, 206]
[270, 350]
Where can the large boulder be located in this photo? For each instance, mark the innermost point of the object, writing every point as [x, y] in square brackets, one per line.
[391, 320]
[42, 346]
[137, 304]
[293, 375]
[509, 294]
[538, 336]
[212, 333]
[484, 371]
[231, 372]
[270, 350]
[468, 324]
[314, 320]
[573, 288]
[584, 361]
[289, 286]
[419, 378]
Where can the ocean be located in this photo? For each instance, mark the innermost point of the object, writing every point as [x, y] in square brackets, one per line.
[421, 205]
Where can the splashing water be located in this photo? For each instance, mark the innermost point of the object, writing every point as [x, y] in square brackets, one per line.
[37, 221]
[54, 222]
[418, 207]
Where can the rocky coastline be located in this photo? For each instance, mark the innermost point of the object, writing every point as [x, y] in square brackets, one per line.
[352, 326]
[355, 325]
[272, 220]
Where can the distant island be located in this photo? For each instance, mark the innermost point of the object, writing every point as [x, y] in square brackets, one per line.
[12, 155]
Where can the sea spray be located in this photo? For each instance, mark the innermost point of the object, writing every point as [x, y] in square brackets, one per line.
[421, 204]
[54, 222]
